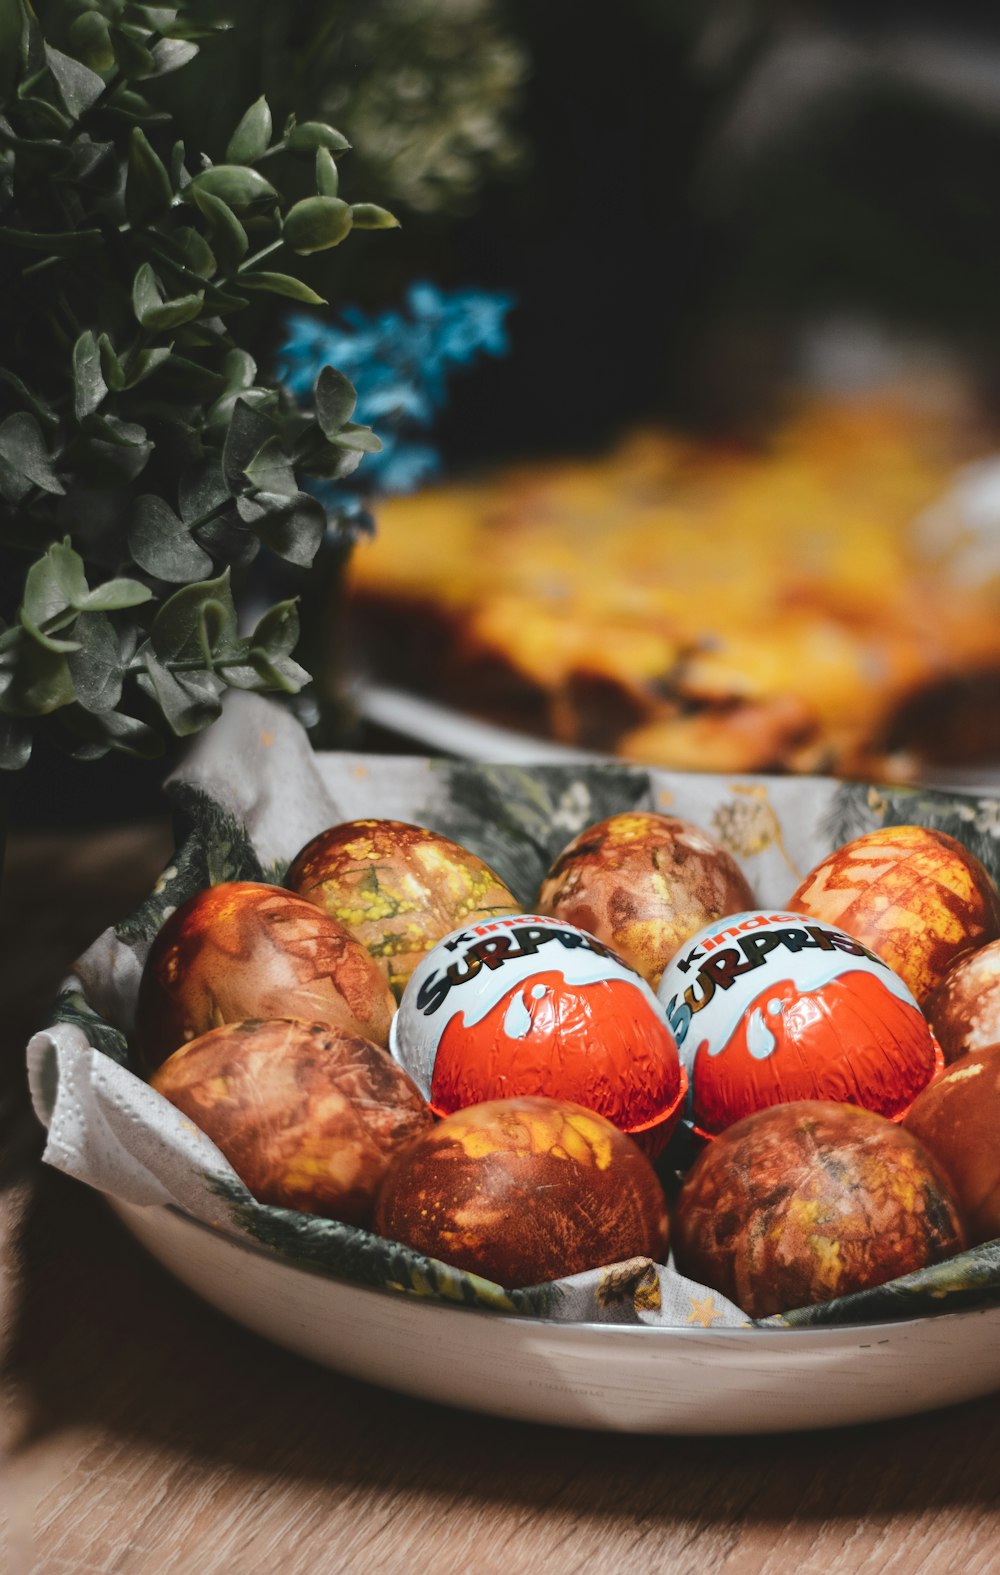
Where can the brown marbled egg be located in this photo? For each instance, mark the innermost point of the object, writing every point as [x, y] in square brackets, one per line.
[244, 949]
[397, 887]
[917, 897]
[957, 1118]
[308, 1116]
[810, 1200]
[643, 883]
[964, 1010]
[524, 1190]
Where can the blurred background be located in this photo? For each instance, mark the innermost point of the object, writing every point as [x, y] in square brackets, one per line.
[686, 359]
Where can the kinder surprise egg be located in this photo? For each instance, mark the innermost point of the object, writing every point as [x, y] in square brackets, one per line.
[308, 1116]
[917, 897]
[398, 888]
[244, 949]
[643, 883]
[809, 1201]
[766, 1009]
[528, 1005]
[524, 1190]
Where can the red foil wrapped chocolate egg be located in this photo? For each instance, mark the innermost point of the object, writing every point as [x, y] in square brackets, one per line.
[244, 949]
[643, 883]
[808, 1201]
[308, 1116]
[530, 1005]
[768, 1008]
[396, 887]
[917, 897]
[524, 1190]
[964, 1010]
[957, 1119]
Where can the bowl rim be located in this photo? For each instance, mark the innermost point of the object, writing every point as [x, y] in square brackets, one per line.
[572, 1328]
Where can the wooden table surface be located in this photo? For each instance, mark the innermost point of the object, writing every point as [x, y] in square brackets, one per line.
[142, 1432]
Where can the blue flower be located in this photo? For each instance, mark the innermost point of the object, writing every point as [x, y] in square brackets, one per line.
[400, 363]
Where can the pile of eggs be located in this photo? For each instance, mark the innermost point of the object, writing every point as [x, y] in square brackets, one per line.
[389, 1040]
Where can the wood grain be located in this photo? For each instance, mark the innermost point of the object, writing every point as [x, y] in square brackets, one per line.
[142, 1432]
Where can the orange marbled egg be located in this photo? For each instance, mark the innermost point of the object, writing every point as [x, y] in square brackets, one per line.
[917, 897]
[245, 949]
[524, 1190]
[397, 887]
[308, 1116]
[964, 1010]
[807, 1201]
[957, 1119]
[643, 883]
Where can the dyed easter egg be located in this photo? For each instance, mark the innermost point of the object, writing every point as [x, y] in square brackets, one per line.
[917, 897]
[643, 883]
[811, 1200]
[524, 1190]
[964, 1010]
[397, 888]
[308, 1116]
[530, 1005]
[244, 949]
[957, 1119]
[767, 1008]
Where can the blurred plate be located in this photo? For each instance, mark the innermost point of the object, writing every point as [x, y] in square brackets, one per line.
[616, 1377]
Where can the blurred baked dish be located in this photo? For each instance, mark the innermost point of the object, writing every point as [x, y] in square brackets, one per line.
[826, 603]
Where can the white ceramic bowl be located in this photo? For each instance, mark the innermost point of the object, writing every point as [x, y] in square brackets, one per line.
[618, 1377]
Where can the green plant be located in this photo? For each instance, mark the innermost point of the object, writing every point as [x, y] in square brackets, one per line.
[143, 462]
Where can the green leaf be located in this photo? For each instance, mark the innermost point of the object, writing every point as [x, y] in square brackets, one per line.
[36, 682]
[249, 428]
[114, 595]
[202, 490]
[327, 175]
[252, 136]
[51, 586]
[239, 369]
[148, 192]
[271, 469]
[335, 400]
[144, 362]
[278, 631]
[111, 367]
[90, 38]
[234, 184]
[195, 251]
[79, 87]
[281, 284]
[227, 235]
[162, 544]
[13, 24]
[293, 527]
[89, 387]
[98, 732]
[172, 53]
[369, 216]
[22, 447]
[41, 407]
[15, 739]
[313, 134]
[317, 223]
[279, 673]
[97, 667]
[134, 59]
[178, 629]
[156, 314]
[189, 701]
[55, 243]
[361, 440]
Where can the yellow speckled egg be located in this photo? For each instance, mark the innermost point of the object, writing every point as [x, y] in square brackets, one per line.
[643, 883]
[397, 887]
